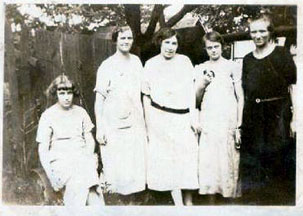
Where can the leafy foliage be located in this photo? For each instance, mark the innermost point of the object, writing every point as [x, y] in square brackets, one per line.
[233, 18]
[89, 17]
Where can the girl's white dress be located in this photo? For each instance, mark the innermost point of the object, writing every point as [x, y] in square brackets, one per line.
[70, 160]
[123, 157]
[172, 148]
[218, 158]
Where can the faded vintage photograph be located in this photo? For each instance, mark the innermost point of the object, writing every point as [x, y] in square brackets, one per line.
[149, 105]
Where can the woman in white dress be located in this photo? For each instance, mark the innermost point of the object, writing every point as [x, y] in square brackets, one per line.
[172, 149]
[119, 118]
[220, 119]
[66, 147]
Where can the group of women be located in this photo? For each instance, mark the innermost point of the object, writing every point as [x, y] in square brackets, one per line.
[184, 134]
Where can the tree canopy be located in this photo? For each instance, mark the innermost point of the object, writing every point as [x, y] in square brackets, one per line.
[143, 19]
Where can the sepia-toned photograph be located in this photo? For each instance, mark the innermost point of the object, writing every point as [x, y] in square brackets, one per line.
[150, 104]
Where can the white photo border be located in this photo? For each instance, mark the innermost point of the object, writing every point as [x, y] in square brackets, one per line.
[8, 210]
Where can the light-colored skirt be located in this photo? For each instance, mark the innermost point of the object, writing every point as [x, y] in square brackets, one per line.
[123, 159]
[172, 154]
[72, 166]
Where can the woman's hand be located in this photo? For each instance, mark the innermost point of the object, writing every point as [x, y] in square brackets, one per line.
[100, 136]
[292, 128]
[54, 181]
[201, 84]
[196, 127]
[238, 138]
[208, 76]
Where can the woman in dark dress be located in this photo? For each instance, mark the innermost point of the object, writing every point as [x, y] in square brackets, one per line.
[268, 72]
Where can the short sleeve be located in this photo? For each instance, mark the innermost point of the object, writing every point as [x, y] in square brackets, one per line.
[145, 83]
[236, 73]
[244, 72]
[289, 69]
[44, 131]
[189, 66]
[87, 124]
[198, 72]
[138, 68]
[103, 80]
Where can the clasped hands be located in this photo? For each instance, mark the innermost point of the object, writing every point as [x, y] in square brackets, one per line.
[237, 138]
[100, 136]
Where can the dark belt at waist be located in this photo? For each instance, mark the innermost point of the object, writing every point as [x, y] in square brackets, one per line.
[262, 100]
[171, 110]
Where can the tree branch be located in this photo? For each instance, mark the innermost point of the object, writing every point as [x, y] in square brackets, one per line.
[133, 18]
[156, 14]
[177, 17]
[279, 31]
[162, 21]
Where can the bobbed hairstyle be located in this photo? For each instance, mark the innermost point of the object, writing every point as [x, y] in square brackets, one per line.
[65, 84]
[118, 30]
[163, 34]
[213, 36]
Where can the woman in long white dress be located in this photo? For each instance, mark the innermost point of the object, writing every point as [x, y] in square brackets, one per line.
[66, 147]
[119, 118]
[172, 149]
[220, 119]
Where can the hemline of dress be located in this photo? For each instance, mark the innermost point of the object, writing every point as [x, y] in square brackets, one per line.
[130, 190]
[212, 192]
[155, 188]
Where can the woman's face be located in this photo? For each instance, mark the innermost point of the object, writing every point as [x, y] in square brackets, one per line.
[259, 33]
[169, 47]
[65, 96]
[125, 41]
[213, 49]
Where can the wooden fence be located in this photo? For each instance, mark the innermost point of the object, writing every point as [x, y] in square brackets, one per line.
[32, 61]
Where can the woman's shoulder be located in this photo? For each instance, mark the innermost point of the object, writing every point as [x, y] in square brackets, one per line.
[202, 65]
[134, 57]
[280, 52]
[153, 59]
[50, 112]
[51, 109]
[136, 60]
[232, 64]
[79, 109]
[280, 49]
[107, 62]
[248, 56]
[182, 57]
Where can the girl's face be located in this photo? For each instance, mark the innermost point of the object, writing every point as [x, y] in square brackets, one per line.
[259, 33]
[169, 47]
[125, 41]
[65, 96]
[213, 49]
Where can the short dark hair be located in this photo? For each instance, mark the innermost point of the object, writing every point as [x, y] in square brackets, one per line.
[213, 36]
[61, 79]
[117, 30]
[163, 34]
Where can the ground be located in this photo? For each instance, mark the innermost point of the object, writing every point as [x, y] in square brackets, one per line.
[30, 192]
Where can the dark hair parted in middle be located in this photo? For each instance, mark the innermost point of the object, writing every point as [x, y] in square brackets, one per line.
[213, 36]
[163, 34]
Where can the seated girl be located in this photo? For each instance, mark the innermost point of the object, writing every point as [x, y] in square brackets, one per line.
[66, 147]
